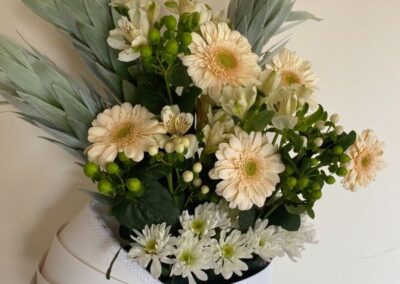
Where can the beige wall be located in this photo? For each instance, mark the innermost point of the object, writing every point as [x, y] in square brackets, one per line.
[355, 51]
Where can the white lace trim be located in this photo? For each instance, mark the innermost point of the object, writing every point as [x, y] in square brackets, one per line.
[97, 219]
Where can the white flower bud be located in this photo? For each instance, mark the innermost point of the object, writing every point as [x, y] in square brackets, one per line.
[188, 176]
[197, 182]
[179, 148]
[339, 130]
[318, 142]
[320, 125]
[305, 141]
[186, 142]
[197, 168]
[205, 189]
[169, 147]
[153, 151]
[335, 118]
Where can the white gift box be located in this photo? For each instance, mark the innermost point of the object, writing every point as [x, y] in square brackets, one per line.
[81, 253]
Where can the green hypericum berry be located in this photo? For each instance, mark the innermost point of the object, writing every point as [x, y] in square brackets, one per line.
[154, 35]
[314, 162]
[316, 187]
[134, 185]
[146, 51]
[123, 158]
[338, 150]
[289, 170]
[91, 169]
[186, 39]
[316, 195]
[170, 22]
[169, 34]
[330, 180]
[342, 171]
[172, 47]
[112, 168]
[291, 182]
[195, 19]
[105, 187]
[303, 182]
[344, 159]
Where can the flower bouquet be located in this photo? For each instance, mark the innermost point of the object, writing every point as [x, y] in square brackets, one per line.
[206, 141]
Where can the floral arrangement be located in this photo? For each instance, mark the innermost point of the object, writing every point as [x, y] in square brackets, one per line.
[207, 142]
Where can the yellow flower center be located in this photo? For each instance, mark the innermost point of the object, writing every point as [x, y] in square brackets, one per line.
[151, 247]
[226, 59]
[250, 168]
[228, 251]
[261, 243]
[187, 257]
[199, 226]
[290, 78]
[124, 134]
[365, 161]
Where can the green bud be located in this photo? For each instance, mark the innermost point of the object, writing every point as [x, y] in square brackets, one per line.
[105, 187]
[170, 22]
[342, 171]
[291, 182]
[186, 39]
[154, 35]
[338, 150]
[91, 169]
[112, 168]
[123, 158]
[303, 182]
[344, 159]
[134, 185]
[316, 195]
[289, 170]
[330, 180]
[172, 47]
[169, 34]
[316, 187]
[146, 51]
[195, 19]
[184, 18]
[333, 168]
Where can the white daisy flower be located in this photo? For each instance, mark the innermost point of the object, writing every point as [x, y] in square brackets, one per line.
[191, 258]
[265, 241]
[219, 128]
[238, 101]
[130, 35]
[366, 160]
[249, 168]
[207, 217]
[293, 242]
[221, 57]
[127, 129]
[153, 245]
[228, 253]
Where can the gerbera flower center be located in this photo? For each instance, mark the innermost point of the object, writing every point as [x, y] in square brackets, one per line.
[187, 257]
[151, 247]
[228, 251]
[226, 59]
[250, 168]
[290, 78]
[365, 161]
[262, 243]
[124, 134]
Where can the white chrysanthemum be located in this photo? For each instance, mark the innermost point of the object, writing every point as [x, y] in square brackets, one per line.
[249, 167]
[180, 7]
[127, 129]
[130, 35]
[219, 128]
[288, 83]
[153, 245]
[265, 241]
[229, 252]
[207, 217]
[192, 257]
[237, 101]
[293, 242]
[366, 160]
[175, 122]
[221, 57]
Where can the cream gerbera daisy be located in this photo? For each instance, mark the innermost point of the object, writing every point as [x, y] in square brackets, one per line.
[249, 168]
[366, 159]
[127, 129]
[221, 57]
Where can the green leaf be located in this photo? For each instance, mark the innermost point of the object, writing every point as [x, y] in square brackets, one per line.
[301, 16]
[101, 198]
[296, 140]
[247, 219]
[152, 95]
[131, 94]
[316, 116]
[156, 206]
[281, 217]
[258, 121]
[296, 210]
[346, 140]
[187, 100]
[178, 75]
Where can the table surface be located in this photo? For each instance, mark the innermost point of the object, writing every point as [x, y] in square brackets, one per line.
[355, 51]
